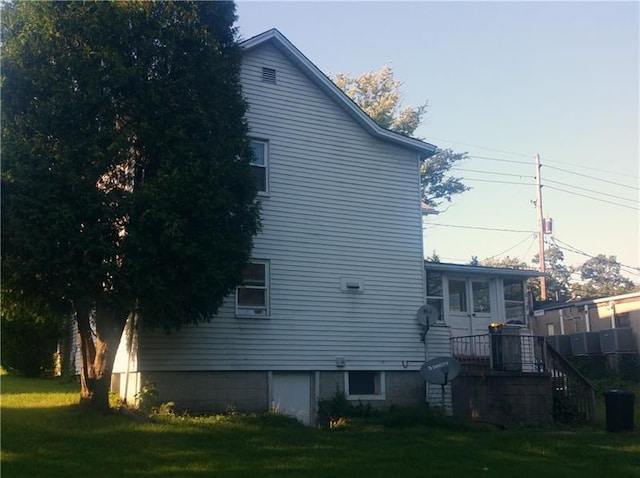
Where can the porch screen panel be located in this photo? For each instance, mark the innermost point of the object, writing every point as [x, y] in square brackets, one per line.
[457, 295]
[481, 297]
[514, 300]
[434, 292]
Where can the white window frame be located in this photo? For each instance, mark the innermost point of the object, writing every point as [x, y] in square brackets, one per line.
[260, 311]
[381, 381]
[439, 299]
[265, 143]
[521, 303]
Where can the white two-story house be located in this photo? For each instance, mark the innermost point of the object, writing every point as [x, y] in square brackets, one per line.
[337, 274]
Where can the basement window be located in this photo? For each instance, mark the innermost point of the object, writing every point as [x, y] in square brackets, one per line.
[364, 385]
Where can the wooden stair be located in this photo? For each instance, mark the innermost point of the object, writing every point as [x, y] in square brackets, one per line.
[573, 395]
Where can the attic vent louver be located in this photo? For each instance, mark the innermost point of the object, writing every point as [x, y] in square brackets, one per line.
[269, 75]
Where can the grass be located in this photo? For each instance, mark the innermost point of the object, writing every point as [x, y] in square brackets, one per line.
[44, 433]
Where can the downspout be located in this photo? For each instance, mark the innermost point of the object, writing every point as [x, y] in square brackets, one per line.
[586, 318]
[612, 306]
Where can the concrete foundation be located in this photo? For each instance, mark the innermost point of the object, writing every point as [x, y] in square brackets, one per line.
[503, 398]
[215, 392]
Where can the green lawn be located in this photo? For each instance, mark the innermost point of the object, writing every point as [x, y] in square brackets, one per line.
[44, 434]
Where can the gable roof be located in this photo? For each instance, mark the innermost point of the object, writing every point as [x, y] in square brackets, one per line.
[277, 39]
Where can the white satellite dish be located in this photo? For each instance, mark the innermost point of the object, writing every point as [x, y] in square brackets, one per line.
[427, 315]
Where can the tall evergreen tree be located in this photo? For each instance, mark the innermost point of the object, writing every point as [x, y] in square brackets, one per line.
[126, 185]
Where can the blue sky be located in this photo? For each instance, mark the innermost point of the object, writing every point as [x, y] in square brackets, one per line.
[504, 81]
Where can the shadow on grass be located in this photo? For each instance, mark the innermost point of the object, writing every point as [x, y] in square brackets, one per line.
[49, 438]
[67, 441]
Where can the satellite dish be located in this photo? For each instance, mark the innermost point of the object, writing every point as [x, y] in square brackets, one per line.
[427, 315]
[440, 370]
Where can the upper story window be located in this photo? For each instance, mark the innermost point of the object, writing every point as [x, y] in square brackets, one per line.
[252, 297]
[260, 164]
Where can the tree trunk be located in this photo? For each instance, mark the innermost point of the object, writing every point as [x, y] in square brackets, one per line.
[98, 346]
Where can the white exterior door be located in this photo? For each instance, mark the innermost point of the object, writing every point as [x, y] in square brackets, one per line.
[470, 304]
[291, 395]
[482, 305]
[459, 316]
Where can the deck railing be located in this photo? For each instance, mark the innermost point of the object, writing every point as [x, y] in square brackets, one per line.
[471, 348]
[522, 353]
[573, 395]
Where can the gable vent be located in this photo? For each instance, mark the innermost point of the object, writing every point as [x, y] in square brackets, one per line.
[269, 75]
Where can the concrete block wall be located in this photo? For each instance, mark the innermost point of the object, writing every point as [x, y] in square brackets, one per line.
[504, 398]
[216, 392]
[402, 388]
[212, 392]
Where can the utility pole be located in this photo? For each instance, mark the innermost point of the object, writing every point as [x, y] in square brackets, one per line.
[541, 260]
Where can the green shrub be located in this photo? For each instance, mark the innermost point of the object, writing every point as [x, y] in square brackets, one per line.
[149, 403]
[338, 409]
[28, 343]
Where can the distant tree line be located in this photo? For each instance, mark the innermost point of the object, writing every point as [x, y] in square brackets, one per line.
[600, 276]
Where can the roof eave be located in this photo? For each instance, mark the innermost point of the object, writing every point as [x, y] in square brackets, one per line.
[494, 271]
[424, 149]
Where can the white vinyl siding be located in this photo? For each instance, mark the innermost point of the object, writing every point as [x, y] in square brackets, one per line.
[341, 203]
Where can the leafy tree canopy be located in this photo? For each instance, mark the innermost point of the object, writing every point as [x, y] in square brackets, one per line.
[558, 275]
[126, 185]
[602, 277]
[506, 262]
[378, 94]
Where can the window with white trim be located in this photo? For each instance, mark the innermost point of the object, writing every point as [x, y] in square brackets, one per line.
[260, 164]
[514, 300]
[364, 385]
[435, 296]
[252, 297]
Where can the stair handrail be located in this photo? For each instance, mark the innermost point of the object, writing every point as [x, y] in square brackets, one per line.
[587, 392]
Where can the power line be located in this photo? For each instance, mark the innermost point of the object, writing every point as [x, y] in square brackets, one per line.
[616, 173]
[479, 227]
[533, 236]
[481, 147]
[556, 168]
[546, 181]
[590, 190]
[498, 182]
[528, 156]
[500, 159]
[570, 248]
[592, 177]
[491, 172]
[595, 199]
